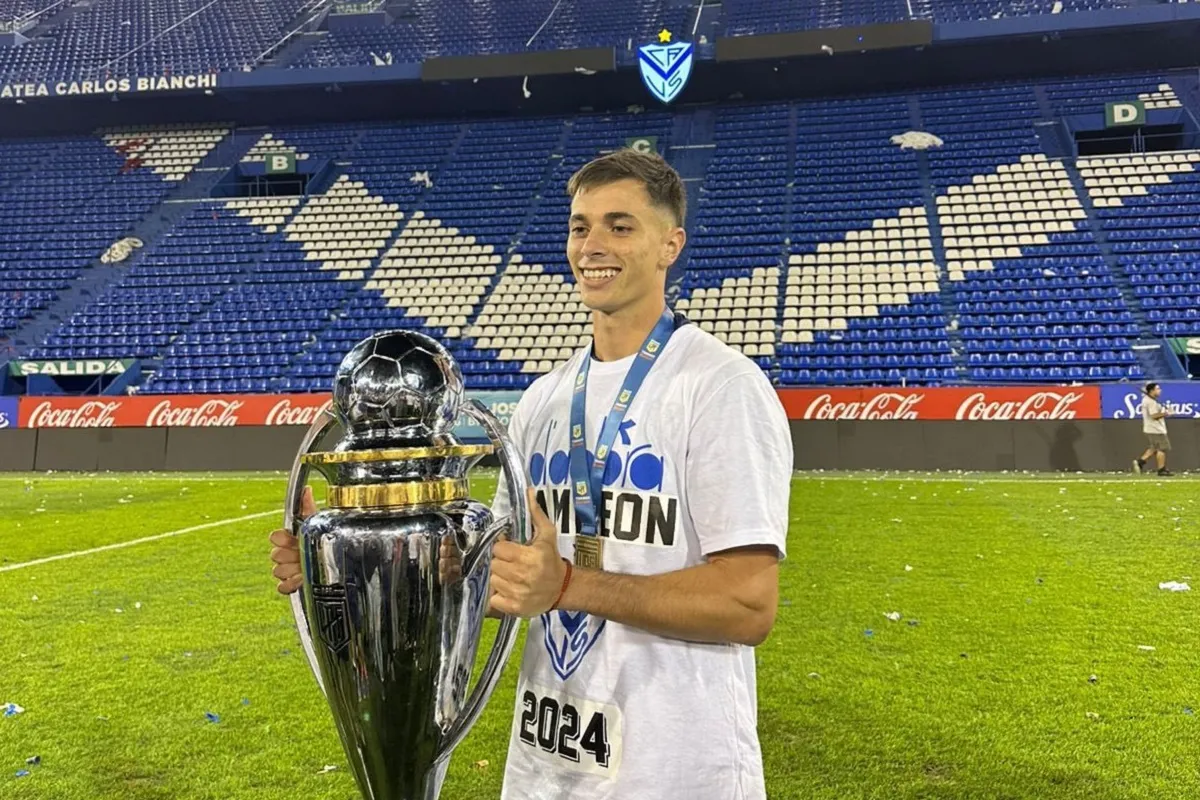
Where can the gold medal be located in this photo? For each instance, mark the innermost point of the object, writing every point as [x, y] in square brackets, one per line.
[589, 552]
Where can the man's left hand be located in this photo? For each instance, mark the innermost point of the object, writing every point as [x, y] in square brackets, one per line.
[528, 578]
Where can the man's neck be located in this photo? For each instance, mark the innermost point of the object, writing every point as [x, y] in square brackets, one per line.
[621, 334]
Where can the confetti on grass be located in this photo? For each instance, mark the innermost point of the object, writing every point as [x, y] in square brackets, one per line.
[12, 709]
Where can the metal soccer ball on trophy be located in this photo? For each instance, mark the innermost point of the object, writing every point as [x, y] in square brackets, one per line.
[396, 567]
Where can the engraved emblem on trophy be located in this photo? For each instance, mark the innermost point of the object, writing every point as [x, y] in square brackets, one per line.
[396, 566]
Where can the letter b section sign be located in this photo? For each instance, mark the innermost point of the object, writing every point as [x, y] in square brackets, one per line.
[281, 163]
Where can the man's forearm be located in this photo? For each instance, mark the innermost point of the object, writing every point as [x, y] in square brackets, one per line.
[694, 604]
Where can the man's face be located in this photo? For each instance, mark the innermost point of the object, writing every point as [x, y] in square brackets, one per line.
[620, 246]
[1155, 392]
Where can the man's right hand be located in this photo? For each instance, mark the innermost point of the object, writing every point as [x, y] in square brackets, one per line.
[286, 550]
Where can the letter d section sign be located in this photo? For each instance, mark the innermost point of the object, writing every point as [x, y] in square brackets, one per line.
[1131, 112]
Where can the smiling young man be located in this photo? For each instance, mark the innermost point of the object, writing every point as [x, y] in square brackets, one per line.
[653, 570]
[638, 680]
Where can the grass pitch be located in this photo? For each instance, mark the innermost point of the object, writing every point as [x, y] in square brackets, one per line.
[1019, 666]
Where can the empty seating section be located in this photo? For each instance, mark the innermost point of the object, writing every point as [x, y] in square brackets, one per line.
[397, 42]
[171, 286]
[731, 284]
[71, 202]
[435, 28]
[17, 10]
[269, 143]
[533, 321]
[128, 38]
[1149, 205]
[1033, 293]
[861, 301]
[1088, 95]
[19, 300]
[386, 159]
[170, 151]
[489, 192]
[750, 17]
[272, 297]
[967, 10]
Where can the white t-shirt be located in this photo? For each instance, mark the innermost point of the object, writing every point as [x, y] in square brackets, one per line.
[1150, 407]
[703, 463]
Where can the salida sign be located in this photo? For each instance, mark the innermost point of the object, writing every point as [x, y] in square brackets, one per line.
[987, 403]
[69, 369]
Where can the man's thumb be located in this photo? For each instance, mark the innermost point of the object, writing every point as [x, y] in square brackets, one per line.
[544, 531]
[308, 506]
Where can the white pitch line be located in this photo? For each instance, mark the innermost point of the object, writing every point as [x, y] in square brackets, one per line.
[143, 540]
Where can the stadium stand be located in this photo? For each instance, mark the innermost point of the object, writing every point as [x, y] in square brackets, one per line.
[433, 28]
[752, 17]
[166, 37]
[63, 202]
[1149, 205]
[902, 238]
[17, 10]
[731, 285]
[862, 283]
[121, 38]
[1035, 296]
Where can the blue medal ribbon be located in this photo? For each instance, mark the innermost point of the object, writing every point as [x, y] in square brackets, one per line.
[588, 483]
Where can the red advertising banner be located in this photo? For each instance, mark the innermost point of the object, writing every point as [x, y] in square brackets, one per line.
[172, 410]
[999, 403]
[994, 403]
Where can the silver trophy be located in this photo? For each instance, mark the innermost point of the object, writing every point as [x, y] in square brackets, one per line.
[396, 566]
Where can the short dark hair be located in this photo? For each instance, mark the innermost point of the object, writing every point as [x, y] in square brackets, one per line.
[1150, 387]
[662, 182]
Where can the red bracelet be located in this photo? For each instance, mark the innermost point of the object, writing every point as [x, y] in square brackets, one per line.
[566, 580]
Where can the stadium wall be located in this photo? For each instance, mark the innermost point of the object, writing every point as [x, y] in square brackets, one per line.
[1036, 445]
[1044, 428]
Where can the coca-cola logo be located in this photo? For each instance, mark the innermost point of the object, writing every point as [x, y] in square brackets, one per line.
[1039, 405]
[284, 413]
[885, 405]
[92, 414]
[210, 413]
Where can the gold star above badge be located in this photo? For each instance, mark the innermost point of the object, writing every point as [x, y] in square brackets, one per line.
[664, 36]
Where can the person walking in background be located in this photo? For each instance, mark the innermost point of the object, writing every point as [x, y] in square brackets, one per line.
[1154, 424]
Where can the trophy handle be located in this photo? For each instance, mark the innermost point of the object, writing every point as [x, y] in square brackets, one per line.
[291, 521]
[506, 635]
[510, 463]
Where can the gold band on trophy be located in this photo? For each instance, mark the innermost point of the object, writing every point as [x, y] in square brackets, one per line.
[392, 495]
[397, 454]
[589, 552]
